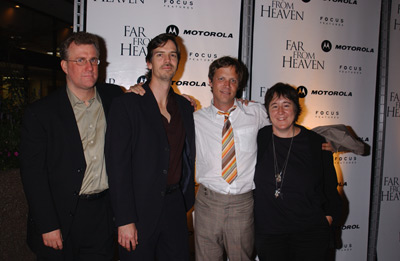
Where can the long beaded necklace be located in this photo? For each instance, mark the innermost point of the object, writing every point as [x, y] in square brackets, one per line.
[280, 175]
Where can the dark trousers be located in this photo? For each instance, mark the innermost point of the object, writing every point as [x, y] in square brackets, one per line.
[170, 240]
[91, 235]
[310, 245]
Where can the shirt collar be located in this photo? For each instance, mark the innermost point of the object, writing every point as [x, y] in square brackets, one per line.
[75, 100]
[214, 110]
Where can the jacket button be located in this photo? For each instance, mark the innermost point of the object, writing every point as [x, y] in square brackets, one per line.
[76, 193]
[71, 214]
[164, 171]
[162, 193]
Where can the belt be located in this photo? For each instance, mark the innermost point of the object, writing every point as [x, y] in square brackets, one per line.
[171, 188]
[93, 196]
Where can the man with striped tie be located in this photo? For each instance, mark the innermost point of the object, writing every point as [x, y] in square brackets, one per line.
[226, 151]
[226, 135]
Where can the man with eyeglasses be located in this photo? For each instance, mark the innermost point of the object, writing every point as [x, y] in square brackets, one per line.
[62, 161]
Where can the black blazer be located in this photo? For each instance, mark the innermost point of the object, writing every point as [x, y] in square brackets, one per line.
[137, 159]
[53, 162]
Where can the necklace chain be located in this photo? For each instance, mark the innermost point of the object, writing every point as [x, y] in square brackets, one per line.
[280, 175]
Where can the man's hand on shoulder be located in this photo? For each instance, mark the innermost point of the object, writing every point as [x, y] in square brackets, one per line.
[127, 236]
[328, 147]
[53, 239]
[191, 100]
[245, 102]
[137, 88]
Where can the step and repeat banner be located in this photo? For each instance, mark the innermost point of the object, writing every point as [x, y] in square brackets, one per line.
[389, 221]
[328, 50]
[208, 29]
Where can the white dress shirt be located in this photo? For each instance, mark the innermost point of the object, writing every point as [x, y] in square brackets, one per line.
[246, 121]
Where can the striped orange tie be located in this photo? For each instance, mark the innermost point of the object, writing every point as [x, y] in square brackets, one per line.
[229, 170]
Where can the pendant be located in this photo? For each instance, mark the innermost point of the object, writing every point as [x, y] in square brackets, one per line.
[277, 192]
[278, 177]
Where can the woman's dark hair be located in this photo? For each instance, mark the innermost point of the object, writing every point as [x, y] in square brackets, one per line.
[283, 90]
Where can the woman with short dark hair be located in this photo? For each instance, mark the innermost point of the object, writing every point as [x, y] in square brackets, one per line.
[296, 198]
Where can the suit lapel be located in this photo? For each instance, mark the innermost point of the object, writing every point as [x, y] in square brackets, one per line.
[68, 123]
[105, 99]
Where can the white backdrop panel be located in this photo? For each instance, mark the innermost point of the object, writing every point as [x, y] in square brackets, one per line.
[128, 26]
[329, 50]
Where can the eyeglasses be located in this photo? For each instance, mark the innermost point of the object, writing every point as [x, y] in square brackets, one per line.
[83, 61]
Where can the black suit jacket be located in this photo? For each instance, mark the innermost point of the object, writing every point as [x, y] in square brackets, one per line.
[53, 162]
[137, 158]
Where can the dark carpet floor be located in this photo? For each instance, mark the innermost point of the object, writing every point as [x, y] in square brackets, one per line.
[13, 216]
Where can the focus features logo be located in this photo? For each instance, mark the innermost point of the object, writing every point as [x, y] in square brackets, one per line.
[201, 56]
[179, 4]
[350, 69]
[346, 247]
[334, 21]
[281, 10]
[350, 2]
[300, 58]
[390, 189]
[345, 160]
[326, 114]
